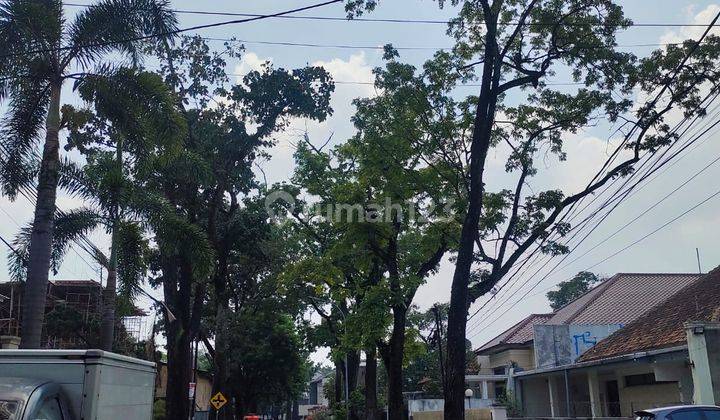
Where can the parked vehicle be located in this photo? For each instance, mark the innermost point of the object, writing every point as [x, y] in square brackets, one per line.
[680, 412]
[74, 385]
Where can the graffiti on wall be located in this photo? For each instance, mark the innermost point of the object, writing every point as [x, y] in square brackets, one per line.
[582, 342]
[557, 345]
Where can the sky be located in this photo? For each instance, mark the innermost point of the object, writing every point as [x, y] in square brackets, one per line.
[671, 249]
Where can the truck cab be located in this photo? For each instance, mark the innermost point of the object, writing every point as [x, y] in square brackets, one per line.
[32, 399]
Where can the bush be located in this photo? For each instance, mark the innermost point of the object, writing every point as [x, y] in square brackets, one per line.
[511, 404]
[159, 410]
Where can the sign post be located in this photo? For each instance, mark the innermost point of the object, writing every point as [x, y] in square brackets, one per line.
[218, 401]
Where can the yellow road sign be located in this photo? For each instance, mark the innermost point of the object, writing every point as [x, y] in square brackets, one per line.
[218, 400]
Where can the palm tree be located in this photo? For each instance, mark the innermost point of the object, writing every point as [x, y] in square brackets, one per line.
[134, 112]
[40, 49]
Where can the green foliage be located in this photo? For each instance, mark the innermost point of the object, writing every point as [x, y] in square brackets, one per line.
[29, 28]
[159, 409]
[267, 361]
[513, 406]
[327, 415]
[572, 289]
[381, 193]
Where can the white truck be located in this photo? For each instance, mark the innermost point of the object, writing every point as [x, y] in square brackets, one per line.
[74, 385]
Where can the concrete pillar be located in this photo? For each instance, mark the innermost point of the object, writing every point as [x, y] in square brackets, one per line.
[9, 342]
[594, 388]
[568, 407]
[484, 390]
[554, 398]
[700, 363]
[686, 388]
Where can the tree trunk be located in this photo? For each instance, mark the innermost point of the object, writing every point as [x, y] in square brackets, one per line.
[220, 361]
[41, 236]
[395, 365]
[454, 389]
[186, 306]
[179, 360]
[371, 409]
[107, 325]
[295, 411]
[353, 362]
[338, 381]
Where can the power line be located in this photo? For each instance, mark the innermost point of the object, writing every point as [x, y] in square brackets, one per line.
[380, 47]
[172, 32]
[659, 228]
[671, 221]
[584, 223]
[647, 210]
[595, 213]
[12, 248]
[403, 21]
[317, 45]
[607, 258]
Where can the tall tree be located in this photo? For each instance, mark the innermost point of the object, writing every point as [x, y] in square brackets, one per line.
[132, 112]
[514, 48]
[386, 201]
[229, 126]
[41, 50]
[572, 289]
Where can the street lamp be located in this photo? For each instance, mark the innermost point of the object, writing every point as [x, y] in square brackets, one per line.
[468, 394]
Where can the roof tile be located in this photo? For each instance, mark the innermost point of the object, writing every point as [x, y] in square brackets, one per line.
[662, 326]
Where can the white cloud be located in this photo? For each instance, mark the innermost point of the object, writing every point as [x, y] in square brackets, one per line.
[250, 62]
[704, 17]
[355, 69]
[337, 126]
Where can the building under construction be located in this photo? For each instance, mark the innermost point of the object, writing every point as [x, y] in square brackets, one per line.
[74, 307]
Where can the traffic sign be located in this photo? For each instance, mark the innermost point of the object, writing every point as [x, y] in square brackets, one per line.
[218, 400]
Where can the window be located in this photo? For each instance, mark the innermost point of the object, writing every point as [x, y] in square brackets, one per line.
[686, 415]
[499, 370]
[643, 379]
[50, 410]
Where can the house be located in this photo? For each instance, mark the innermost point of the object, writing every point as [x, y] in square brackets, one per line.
[667, 355]
[314, 398]
[559, 338]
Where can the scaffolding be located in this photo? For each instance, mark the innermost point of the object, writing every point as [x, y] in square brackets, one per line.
[84, 296]
[136, 326]
[10, 308]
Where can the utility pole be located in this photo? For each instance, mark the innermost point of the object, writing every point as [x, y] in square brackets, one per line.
[697, 254]
[438, 337]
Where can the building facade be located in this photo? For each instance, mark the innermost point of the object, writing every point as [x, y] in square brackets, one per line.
[559, 338]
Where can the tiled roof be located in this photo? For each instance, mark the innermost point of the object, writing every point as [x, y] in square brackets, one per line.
[619, 300]
[662, 326]
[520, 333]
[91, 283]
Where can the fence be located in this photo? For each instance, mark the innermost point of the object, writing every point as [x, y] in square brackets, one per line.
[472, 414]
